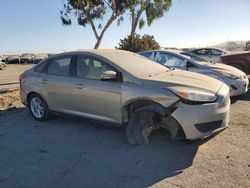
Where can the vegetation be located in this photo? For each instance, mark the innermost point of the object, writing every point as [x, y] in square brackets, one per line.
[92, 12]
[153, 10]
[136, 43]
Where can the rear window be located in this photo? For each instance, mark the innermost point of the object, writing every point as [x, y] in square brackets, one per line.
[40, 67]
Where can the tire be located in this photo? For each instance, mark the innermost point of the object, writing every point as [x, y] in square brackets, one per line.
[38, 107]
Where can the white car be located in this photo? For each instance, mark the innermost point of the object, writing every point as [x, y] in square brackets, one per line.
[209, 54]
[233, 77]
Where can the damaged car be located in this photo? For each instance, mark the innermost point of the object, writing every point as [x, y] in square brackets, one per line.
[128, 90]
[236, 79]
[13, 59]
[27, 58]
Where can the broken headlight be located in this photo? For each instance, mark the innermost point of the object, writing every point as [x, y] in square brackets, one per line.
[196, 97]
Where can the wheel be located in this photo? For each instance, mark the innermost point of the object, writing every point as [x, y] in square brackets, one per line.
[38, 107]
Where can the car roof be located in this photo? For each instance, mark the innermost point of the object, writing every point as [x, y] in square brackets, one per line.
[208, 48]
[128, 61]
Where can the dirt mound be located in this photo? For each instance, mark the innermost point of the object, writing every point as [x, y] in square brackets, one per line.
[10, 99]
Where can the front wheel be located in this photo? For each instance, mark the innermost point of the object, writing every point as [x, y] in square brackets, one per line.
[38, 107]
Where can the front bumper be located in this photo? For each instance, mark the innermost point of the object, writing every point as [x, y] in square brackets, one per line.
[239, 87]
[193, 117]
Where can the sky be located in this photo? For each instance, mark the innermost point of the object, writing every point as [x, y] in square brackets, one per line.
[35, 26]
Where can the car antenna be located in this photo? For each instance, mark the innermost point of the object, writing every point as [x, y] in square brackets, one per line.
[62, 49]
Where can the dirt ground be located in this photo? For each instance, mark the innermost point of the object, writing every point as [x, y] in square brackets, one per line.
[69, 152]
[10, 74]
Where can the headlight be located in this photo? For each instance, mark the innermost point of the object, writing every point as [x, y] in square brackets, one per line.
[228, 75]
[196, 97]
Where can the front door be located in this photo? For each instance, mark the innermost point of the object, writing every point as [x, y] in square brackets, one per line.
[93, 97]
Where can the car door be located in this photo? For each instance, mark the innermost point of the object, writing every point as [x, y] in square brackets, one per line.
[214, 55]
[93, 97]
[56, 83]
[170, 60]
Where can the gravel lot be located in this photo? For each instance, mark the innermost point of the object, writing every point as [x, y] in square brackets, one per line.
[10, 74]
[70, 152]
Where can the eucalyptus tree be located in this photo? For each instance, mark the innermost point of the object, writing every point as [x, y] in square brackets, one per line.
[92, 12]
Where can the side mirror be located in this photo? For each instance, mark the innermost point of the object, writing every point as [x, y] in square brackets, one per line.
[109, 75]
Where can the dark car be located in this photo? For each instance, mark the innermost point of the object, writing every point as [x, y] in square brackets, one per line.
[238, 60]
[13, 59]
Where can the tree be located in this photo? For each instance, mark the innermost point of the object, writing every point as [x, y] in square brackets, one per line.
[92, 12]
[136, 43]
[153, 9]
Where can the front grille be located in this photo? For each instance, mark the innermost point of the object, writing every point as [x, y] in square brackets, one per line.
[209, 126]
[225, 101]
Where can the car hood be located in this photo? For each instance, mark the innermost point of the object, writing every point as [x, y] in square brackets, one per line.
[227, 68]
[183, 81]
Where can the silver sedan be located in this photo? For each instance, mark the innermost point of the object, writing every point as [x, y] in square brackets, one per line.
[127, 90]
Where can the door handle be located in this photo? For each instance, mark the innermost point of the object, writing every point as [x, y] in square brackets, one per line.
[44, 81]
[79, 86]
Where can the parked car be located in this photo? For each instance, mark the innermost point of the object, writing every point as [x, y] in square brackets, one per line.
[27, 58]
[209, 54]
[234, 78]
[39, 57]
[128, 90]
[2, 64]
[247, 47]
[239, 60]
[13, 59]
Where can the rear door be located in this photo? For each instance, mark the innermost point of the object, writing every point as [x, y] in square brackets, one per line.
[93, 97]
[56, 83]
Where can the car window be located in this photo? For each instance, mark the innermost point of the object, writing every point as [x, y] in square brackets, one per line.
[215, 52]
[91, 68]
[201, 52]
[40, 67]
[59, 66]
[149, 55]
[170, 60]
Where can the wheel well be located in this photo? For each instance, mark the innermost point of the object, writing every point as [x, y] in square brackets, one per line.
[31, 93]
[162, 115]
[133, 106]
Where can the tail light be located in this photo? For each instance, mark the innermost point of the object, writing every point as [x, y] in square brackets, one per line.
[21, 77]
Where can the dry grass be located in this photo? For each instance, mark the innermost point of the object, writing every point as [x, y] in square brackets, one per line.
[10, 99]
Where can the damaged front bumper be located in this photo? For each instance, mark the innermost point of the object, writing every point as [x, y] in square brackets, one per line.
[200, 121]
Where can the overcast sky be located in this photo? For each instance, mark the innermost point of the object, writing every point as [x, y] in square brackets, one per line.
[35, 26]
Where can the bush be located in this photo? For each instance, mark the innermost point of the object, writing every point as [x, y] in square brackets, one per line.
[136, 43]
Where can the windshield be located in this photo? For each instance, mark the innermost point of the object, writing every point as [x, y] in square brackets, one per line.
[135, 64]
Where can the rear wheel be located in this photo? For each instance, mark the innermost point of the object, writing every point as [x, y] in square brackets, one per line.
[38, 107]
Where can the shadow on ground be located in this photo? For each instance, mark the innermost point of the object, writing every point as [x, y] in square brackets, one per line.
[245, 97]
[66, 152]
